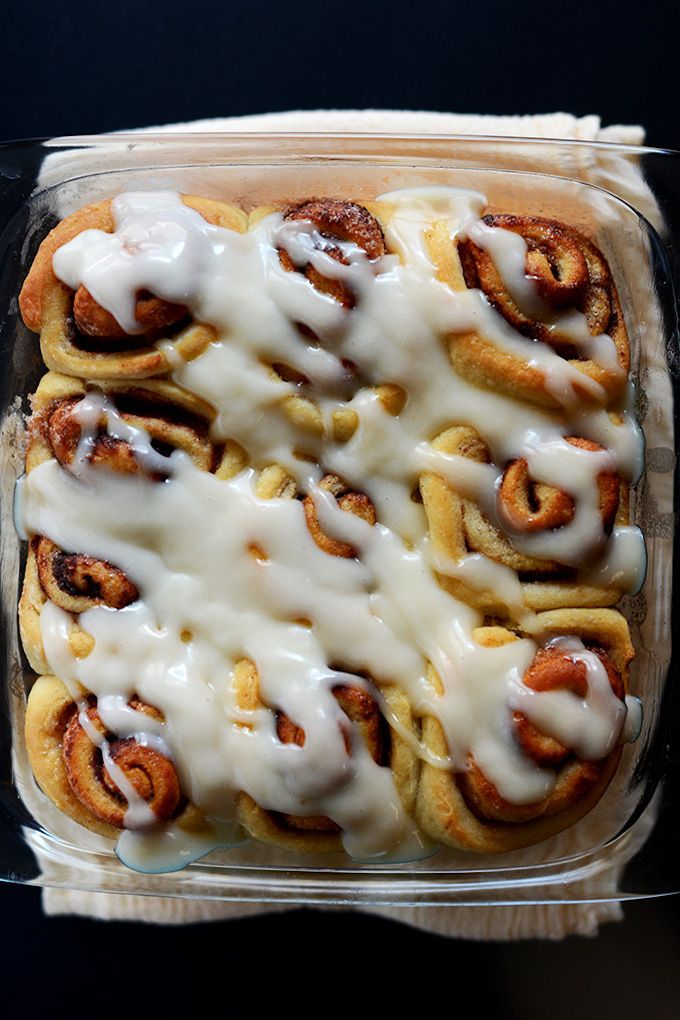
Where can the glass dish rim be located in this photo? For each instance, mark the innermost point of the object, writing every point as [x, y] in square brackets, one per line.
[158, 138]
[159, 135]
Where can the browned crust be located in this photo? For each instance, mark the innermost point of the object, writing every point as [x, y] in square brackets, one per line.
[152, 775]
[76, 582]
[50, 710]
[150, 312]
[343, 220]
[161, 421]
[338, 220]
[552, 670]
[533, 506]
[41, 278]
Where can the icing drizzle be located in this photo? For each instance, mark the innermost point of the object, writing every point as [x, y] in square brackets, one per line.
[307, 620]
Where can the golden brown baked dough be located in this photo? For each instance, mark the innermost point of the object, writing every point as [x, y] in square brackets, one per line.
[336, 220]
[356, 503]
[80, 338]
[464, 809]
[68, 766]
[315, 834]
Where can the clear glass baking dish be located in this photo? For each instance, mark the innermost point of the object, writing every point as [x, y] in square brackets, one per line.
[626, 197]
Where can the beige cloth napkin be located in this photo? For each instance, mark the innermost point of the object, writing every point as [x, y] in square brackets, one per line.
[543, 920]
[542, 125]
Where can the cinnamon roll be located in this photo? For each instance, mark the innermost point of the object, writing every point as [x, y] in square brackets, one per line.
[583, 652]
[170, 417]
[315, 833]
[100, 781]
[461, 526]
[534, 506]
[79, 337]
[75, 583]
[274, 482]
[564, 273]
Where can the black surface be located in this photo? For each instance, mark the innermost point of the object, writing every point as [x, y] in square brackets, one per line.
[88, 67]
[82, 67]
[305, 963]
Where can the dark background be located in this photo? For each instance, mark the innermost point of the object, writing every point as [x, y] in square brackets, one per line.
[89, 67]
[80, 67]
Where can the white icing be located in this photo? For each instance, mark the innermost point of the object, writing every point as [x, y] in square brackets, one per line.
[509, 253]
[633, 724]
[623, 562]
[187, 542]
[171, 847]
[486, 575]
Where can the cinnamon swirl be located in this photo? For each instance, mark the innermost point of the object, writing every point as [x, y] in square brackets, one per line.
[335, 221]
[100, 781]
[359, 718]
